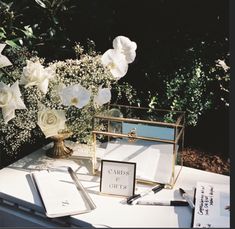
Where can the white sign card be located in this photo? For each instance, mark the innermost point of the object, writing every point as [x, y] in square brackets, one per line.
[212, 206]
[117, 177]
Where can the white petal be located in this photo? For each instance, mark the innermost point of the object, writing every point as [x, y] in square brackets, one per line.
[50, 132]
[4, 61]
[50, 72]
[130, 56]
[43, 86]
[116, 62]
[2, 46]
[122, 42]
[61, 115]
[126, 47]
[83, 96]
[14, 103]
[78, 92]
[58, 89]
[103, 96]
[2, 85]
[8, 114]
[66, 94]
[22, 80]
[15, 88]
[17, 103]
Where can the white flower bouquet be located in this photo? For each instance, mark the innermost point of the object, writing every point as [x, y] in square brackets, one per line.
[47, 99]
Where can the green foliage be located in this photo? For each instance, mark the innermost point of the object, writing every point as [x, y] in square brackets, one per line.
[188, 91]
[221, 86]
[124, 93]
[195, 89]
[197, 84]
[12, 31]
[175, 69]
[50, 27]
[38, 24]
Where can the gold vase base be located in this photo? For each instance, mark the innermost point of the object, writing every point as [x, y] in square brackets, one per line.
[59, 152]
[59, 149]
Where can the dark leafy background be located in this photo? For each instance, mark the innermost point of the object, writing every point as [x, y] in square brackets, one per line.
[172, 36]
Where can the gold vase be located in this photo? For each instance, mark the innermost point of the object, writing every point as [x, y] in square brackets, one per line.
[59, 149]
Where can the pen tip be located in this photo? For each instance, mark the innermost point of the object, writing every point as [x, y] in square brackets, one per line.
[181, 190]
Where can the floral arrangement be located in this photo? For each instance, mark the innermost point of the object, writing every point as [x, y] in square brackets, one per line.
[43, 100]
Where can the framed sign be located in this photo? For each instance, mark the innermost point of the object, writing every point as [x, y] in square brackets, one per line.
[117, 177]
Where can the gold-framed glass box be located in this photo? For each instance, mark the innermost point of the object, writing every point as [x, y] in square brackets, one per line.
[150, 137]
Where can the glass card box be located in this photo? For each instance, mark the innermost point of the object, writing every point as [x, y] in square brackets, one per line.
[149, 137]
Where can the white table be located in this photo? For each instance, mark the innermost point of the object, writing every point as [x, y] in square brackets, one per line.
[110, 212]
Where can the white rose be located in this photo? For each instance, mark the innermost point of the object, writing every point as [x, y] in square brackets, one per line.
[51, 121]
[34, 74]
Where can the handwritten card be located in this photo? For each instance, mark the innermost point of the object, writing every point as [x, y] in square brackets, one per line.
[212, 205]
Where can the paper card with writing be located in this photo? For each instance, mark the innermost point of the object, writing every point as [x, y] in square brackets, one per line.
[117, 178]
[212, 205]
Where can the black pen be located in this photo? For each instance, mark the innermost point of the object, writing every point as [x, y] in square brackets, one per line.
[163, 203]
[155, 189]
[187, 198]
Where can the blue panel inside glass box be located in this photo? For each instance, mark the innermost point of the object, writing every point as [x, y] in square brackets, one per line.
[143, 130]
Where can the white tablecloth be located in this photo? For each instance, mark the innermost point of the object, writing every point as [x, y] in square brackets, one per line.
[110, 211]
